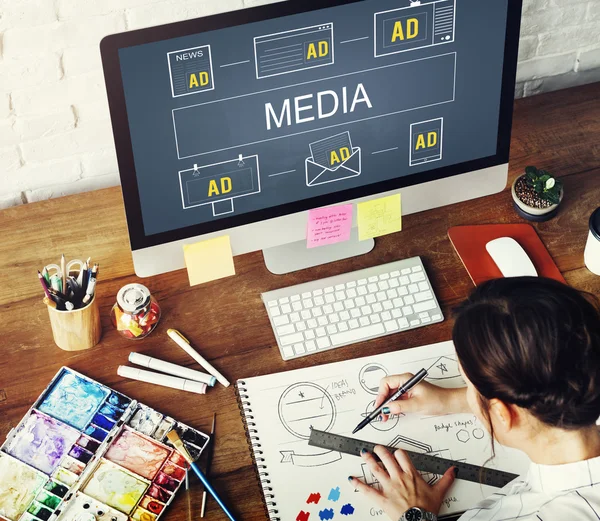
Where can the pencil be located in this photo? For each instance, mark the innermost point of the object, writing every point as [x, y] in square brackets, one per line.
[44, 286]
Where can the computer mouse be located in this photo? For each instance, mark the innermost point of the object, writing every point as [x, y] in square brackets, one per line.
[510, 257]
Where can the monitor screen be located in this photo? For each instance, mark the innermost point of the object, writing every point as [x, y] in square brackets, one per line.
[259, 119]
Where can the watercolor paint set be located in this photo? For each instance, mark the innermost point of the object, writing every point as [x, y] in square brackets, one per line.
[86, 452]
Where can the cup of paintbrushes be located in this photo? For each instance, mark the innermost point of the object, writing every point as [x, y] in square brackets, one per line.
[76, 329]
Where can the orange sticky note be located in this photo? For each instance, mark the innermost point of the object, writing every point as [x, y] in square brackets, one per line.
[209, 260]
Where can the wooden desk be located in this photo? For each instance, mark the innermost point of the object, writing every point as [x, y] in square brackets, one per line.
[226, 319]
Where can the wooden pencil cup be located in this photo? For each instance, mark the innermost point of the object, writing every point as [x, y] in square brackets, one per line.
[78, 329]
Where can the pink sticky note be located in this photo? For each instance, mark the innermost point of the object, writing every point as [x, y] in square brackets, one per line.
[329, 225]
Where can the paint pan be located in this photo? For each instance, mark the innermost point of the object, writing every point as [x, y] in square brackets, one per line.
[163, 428]
[111, 412]
[41, 441]
[65, 476]
[19, 484]
[152, 505]
[159, 493]
[137, 453]
[56, 488]
[73, 400]
[143, 515]
[194, 437]
[118, 400]
[80, 454]
[72, 465]
[179, 460]
[175, 471]
[95, 432]
[145, 420]
[103, 422]
[88, 443]
[40, 511]
[48, 500]
[166, 482]
[194, 441]
[116, 487]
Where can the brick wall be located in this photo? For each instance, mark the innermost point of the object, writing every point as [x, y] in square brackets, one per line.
[55, 135]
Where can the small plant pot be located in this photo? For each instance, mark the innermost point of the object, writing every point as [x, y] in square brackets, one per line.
[539, 211]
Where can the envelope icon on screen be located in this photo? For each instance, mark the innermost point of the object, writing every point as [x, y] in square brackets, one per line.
[317, 174]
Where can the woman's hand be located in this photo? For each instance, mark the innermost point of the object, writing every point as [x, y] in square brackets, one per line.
[402, 487]
[424, 398]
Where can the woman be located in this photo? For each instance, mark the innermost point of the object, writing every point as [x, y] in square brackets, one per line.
[529, 351]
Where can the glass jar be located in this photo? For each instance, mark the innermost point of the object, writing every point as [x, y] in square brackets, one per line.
[136, 312]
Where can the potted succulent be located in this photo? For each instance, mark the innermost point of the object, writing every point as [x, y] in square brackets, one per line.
[537, 194]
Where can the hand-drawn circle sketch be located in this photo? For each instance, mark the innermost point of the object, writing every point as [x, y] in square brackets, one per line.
[305, 405]
[478, 433]
[378, 424]
[370, 376]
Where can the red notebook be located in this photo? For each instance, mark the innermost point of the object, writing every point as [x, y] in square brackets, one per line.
[469, 242]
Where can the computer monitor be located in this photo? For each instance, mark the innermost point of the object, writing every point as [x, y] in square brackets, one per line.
[240, 123]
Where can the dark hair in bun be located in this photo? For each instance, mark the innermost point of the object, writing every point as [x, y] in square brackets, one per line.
[535, 343]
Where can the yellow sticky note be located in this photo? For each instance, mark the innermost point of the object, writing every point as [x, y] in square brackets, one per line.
[209, 260]
[379, 217]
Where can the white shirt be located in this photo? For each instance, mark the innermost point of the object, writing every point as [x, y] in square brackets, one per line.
[568, 492]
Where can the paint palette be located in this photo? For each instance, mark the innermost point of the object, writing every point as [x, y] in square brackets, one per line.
[83, 449]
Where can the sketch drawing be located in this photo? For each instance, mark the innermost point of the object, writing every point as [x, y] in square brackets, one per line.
[309, 460]
[463, 436]
[370, 376]
[444, 368]
[305, 405]
[406, 443]
[302, 407]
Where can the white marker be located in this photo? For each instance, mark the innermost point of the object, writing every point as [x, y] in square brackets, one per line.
[172, 369]
[184, 343]
[161, 379]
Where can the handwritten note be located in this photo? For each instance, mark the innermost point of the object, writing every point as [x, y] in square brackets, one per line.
[209, 260]
[379, 217]
[329, 225]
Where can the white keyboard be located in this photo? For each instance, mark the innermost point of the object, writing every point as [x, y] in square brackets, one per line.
[352, 307]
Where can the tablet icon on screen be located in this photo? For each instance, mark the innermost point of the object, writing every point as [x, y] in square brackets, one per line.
[426, 141]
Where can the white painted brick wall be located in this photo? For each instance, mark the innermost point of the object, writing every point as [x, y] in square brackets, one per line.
[55, 134]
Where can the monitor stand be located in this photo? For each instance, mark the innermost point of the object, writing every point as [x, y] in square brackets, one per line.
[295, 256]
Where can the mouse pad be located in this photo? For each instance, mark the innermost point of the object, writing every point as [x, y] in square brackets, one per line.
[469, 242]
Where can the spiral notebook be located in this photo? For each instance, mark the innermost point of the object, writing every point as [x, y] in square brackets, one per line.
[303, 483]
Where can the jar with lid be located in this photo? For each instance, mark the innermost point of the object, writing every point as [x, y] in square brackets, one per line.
[136, 312]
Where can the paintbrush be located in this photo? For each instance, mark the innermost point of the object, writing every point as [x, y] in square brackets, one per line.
[209, 457]
[180, 447]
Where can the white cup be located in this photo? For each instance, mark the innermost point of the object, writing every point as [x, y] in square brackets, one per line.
[591, 255]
